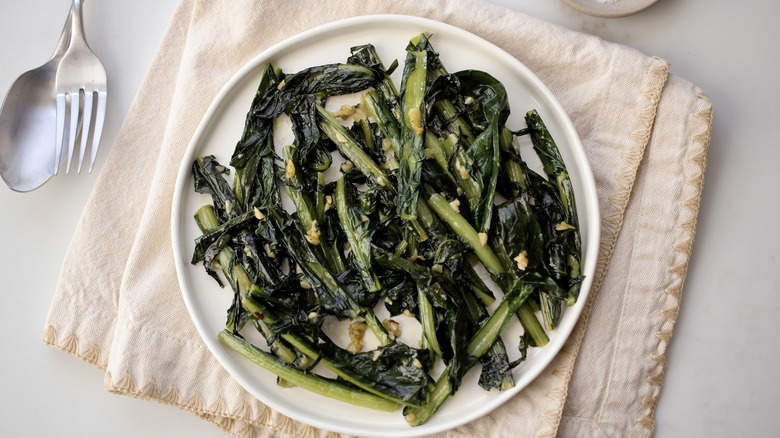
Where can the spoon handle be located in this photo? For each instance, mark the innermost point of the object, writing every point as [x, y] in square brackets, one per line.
[64, 42]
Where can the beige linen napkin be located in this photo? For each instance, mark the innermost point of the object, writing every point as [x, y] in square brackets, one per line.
[645, 132]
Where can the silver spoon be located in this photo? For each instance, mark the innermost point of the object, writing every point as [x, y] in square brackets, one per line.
[28, 124]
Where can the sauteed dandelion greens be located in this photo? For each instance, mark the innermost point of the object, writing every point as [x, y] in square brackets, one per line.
[432, 186]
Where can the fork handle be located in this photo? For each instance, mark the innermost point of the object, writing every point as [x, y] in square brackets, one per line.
[77, 26]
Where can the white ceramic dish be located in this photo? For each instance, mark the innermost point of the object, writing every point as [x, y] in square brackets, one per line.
[221, 128]
[610, 8]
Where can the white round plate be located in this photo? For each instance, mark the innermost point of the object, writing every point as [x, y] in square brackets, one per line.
[610, 8]
[221, 128]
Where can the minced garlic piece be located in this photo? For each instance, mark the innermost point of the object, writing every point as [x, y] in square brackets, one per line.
[483, 238]
[280, 85]
[414, 257]
[521, 260]
[356, 331]
[312, 315]
[468, 100]
[340, 137]
[455, 205]
[386, 144]
[328, 202]
[393, 328]
[360, 112]
[416, 363]
[347, 166]
[345, 111]
[464, 174]
[563, 226]
[290, 169]
[313, 234]
[376, 355]
[305, 285]
[258, 214]
[415, 119]
[437, 268]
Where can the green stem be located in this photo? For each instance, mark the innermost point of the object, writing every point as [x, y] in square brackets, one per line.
[303, 204]
[304, 379]
[368, 136]
[276, 346]
[384, 117]
[425, 311]
[458, 124]
[411, 154]
[494, 325]
[532, 325]
[547, 310]
[424, 214]
[440, 393]
[350, 149]
[376, 327]
[356, 236]
[319, 197]
[465, 182]
[461, 227]
[433, 144]
[310, 213]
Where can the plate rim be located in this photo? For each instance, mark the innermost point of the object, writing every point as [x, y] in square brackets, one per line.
[574, 144]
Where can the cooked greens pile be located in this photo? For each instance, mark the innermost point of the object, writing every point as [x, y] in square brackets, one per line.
[413, 211]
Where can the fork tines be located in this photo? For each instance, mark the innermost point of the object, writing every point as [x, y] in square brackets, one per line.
[84, 121]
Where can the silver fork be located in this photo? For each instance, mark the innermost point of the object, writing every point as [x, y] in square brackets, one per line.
[81, 85]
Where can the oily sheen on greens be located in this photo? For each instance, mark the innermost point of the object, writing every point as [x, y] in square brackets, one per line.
[433, 184]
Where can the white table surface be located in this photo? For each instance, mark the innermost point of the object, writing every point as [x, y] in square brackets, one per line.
[722, 378]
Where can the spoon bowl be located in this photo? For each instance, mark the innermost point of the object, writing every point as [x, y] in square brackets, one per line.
[28, 124]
